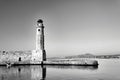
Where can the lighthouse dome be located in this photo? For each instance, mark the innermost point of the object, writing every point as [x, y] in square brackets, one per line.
[40, 21]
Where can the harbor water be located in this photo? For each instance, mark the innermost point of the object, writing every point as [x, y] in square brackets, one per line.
[108, 69]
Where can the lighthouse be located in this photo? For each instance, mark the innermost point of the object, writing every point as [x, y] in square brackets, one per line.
[39, 55]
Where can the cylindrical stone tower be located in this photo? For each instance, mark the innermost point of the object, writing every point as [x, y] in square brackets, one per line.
[39, 55]
[40, 39]
[40, 35]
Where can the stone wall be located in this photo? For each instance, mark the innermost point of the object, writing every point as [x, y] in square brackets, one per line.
[18, 57]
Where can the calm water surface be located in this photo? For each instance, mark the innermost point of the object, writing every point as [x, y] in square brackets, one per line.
[107, 70]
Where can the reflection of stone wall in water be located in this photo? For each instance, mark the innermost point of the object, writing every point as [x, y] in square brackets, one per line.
[15, 73]
[21, 73]
[23, 57]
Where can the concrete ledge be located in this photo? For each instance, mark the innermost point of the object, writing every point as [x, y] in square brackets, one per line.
[81, 62]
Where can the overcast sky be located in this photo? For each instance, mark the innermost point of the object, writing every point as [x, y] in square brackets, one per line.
[72, 27]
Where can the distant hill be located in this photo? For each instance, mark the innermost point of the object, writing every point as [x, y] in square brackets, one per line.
[88, 55]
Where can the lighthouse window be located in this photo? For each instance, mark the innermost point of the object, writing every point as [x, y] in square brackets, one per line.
[38, 29]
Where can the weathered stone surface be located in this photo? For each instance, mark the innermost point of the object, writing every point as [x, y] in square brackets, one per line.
[15, 57]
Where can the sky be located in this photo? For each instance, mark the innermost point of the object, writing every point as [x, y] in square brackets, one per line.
[72, 27]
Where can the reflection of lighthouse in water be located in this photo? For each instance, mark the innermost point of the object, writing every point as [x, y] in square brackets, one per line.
[39, 55]
[38, 73]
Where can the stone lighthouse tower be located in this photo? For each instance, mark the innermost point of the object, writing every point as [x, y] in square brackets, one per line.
[39, 55]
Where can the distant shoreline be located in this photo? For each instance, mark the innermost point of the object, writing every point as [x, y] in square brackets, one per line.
[116, 56]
